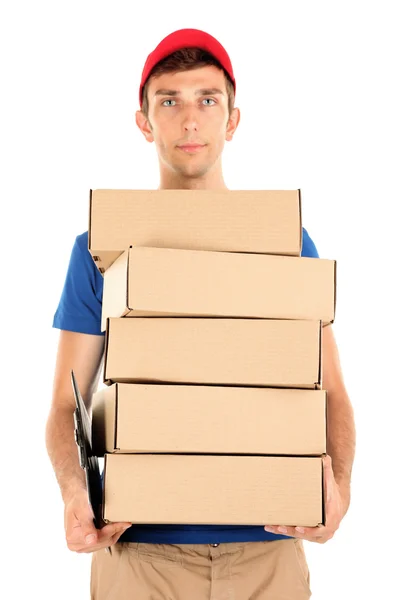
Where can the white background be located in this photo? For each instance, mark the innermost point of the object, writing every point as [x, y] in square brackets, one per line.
[320, 99]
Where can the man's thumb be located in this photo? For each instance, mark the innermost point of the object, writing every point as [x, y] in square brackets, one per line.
[89, 532]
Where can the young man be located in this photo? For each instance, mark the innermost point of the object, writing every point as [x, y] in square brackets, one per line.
[187, 108]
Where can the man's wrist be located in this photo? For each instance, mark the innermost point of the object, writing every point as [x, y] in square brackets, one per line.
[72, 489]
[344, 491]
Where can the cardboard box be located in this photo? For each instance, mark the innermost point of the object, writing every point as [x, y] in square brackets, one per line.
[150, 418]
[257, 221]
[256, 352]
[146, 281]
[213, 490]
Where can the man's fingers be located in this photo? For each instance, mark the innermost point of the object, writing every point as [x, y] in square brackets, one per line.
[83, 532]
[88, 532]
[107, 536]
[310, 534]
[111, 529]
[92, 539]
[116, 537]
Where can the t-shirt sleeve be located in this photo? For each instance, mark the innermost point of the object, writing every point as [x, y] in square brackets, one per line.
[80, 305]
[308, 248]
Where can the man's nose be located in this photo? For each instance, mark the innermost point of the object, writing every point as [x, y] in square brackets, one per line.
[190, 120]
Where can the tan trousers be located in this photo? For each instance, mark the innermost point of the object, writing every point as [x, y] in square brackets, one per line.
[266, 570]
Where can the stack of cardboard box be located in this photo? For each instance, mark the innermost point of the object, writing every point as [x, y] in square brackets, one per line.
[213, 410]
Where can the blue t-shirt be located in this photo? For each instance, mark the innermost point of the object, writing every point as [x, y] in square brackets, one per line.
[79, 310]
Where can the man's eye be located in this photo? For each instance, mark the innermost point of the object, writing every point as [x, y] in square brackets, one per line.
[171, 100]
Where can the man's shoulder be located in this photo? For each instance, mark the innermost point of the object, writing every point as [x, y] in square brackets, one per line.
[81, 243]
[82, 240]
[308, 246]
[83, 257]
[305, 233]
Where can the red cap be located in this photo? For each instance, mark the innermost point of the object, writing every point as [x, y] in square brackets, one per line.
[186, 38]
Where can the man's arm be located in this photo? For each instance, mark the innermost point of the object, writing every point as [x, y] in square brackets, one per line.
[83, 353]
[341, 427]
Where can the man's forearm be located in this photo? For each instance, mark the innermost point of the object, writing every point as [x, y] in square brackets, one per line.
[63, 452]
[341, 440]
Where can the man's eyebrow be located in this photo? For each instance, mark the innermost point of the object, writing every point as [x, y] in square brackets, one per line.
[201, 92]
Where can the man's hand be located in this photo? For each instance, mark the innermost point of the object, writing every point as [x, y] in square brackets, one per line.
[81, 533]
[335, 509]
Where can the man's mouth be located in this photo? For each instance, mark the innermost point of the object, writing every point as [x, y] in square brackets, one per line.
[192, 147]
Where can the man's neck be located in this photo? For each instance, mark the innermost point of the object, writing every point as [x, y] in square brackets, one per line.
[214, 181]
[191, 185]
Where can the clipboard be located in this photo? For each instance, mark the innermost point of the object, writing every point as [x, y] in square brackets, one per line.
[88, 462]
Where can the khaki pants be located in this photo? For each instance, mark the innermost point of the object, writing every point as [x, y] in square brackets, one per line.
[271, 570]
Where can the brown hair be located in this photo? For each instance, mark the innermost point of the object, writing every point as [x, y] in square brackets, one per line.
[187, 59]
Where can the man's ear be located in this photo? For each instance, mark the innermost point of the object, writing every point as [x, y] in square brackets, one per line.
[233, 122]
[144, 125]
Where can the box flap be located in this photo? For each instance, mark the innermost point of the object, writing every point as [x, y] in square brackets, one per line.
[105, 366]
[319, 362]
[104, 420]
[301, 222]
[114, 300]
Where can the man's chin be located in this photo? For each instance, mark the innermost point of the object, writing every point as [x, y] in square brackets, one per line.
[191, 171]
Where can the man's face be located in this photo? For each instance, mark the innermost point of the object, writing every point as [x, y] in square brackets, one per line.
[189, 107]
